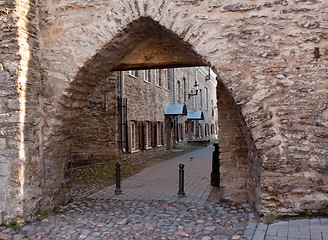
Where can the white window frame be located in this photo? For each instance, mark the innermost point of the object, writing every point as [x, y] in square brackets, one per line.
[148, 135]
[146, 76]
[206, 98]
[158, 78]
[133, 73]
[166, 79]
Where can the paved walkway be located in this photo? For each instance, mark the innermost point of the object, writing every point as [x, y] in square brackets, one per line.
[161, 181]
[305, 229]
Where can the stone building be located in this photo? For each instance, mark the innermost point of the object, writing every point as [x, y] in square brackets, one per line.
[201, 100]
[126, 114]
[147, 93]
[270, 57]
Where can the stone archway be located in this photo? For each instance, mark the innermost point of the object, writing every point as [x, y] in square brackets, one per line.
[265, 63]
[235, 182]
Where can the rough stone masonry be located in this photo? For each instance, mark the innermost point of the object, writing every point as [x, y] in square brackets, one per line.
[270, 56]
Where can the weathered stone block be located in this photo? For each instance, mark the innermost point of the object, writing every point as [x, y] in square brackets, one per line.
[240, 7]
[2, 143]
[5, 169]
[293, 133]
[316, 205]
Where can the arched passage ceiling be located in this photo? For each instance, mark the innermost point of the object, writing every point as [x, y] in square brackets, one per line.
[159, 49]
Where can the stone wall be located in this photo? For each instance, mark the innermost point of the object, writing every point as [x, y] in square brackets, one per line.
[94, 136]
[271, 57]
[9, 62]
[234, 163]
[21, 171]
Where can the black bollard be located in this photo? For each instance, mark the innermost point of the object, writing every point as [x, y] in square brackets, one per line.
[215, 175]
[181, 192]
[118, 190]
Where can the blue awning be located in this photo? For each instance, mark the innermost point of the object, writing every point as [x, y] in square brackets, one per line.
[175, 109]
[195, 116]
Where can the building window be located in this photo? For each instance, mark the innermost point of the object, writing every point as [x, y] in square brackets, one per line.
[212, 129]
[166, 79]
[179, 90]
[133, 136]
[184, 90]
[158, 80]
[148, 134]
[206, 130]
[212, 103]
[181, 132]
[146, 76]
[133, 73]
[159, 134]
[200, 99]
[193, 102]
[206, 98]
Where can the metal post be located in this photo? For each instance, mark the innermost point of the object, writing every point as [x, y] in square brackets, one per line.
[215, 175]
[181, 192]
[118, 190]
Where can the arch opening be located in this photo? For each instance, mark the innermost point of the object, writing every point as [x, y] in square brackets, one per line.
[239, 182]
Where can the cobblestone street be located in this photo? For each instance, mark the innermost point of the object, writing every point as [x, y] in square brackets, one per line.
[150, 209]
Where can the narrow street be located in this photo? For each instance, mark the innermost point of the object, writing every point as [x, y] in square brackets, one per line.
[150, 208]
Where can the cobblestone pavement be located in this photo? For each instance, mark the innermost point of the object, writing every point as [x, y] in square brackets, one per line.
[150, 209]
[115, 219]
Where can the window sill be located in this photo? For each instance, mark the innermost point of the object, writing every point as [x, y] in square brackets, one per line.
[133, 76]
[159, 145]
[134, 151]
[147, 148]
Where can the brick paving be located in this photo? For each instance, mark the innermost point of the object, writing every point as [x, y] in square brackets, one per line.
[149, 208]
[161, 181]
[304, 229]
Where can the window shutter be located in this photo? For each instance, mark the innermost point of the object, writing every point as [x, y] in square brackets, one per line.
[152, 134]
[155, 134]
[129, 137]
[143, 134]
[140, 135]
[189, 131]
[179, 131]
[202, 131]
[163, 132]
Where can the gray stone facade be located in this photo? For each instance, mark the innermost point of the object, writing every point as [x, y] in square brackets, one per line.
[270, 56]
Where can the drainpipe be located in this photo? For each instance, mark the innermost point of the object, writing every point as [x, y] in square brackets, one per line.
[121, 84]
[122, 133]
[174, 87]
[196, 99]
[175, 120]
